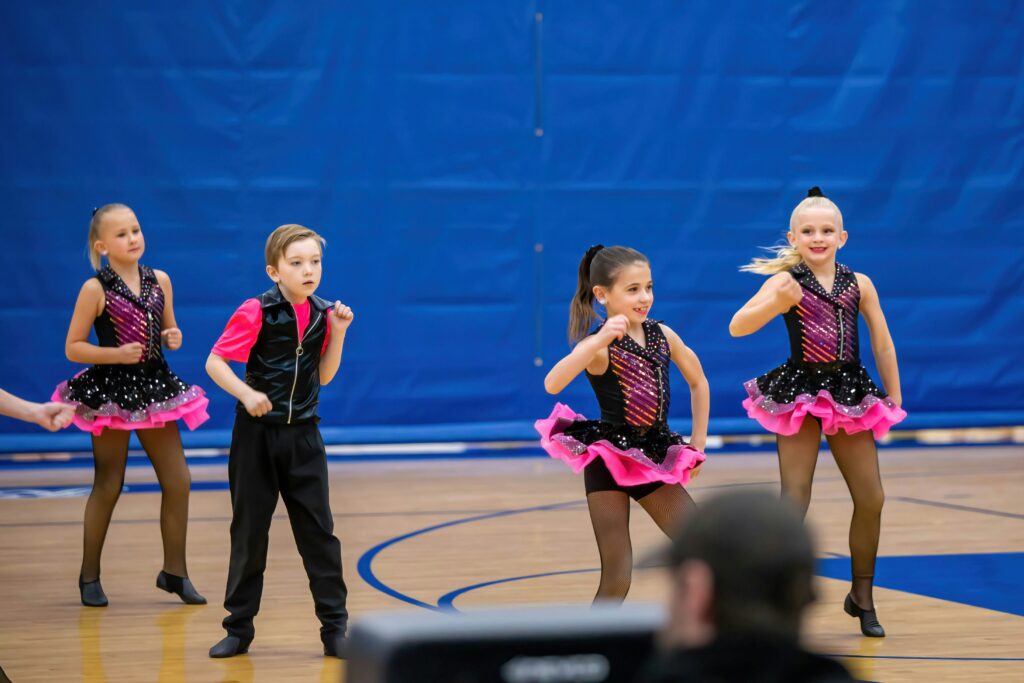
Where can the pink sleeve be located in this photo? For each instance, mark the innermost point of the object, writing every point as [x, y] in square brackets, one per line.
[241, 332]
[327, 337]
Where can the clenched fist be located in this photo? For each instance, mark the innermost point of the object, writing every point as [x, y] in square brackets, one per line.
[614, 328]
[52, 416]
[341, 316]
[171, 338]
[256, 403]
[789, 293]
[130, 354]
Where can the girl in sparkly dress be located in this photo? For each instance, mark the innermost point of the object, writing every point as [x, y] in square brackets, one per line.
[130, 388]
[823, 387]
[630, 452]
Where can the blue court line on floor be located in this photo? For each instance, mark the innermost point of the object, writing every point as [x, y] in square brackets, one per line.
[227, 518]
[80, 458]
[65, 491]
[85, 459]
[992, 581]
[832, 567]
[365, 564]
[446, 601]
[79, 490]
[955, 506]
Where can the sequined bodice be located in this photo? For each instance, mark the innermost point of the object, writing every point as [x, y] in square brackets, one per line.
[635, 388]
[823, 326]
[128, 317]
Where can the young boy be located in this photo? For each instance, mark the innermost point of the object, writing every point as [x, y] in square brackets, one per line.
[290, 341]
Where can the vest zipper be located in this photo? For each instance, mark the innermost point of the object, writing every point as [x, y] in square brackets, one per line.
[298, 352]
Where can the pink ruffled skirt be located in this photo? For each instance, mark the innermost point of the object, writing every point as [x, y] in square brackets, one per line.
[842, 396]
[633, 456]
[129, 397]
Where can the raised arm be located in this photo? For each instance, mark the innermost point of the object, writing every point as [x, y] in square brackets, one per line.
[777, 295]
[77, 347]
[339, 318]
[591, 354]
[881, 341]
[700, 392]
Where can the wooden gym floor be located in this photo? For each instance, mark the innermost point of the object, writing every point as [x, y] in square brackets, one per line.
[417, 534]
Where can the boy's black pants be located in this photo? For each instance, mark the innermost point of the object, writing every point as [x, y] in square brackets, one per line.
[266, 460]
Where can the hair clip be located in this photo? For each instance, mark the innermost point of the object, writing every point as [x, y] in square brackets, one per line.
[95, 209]
[815, 192]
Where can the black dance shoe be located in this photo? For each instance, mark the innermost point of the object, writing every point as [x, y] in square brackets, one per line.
[92, 593]
[869, 625]
[180, 586]
[230, 646]
[335, 645]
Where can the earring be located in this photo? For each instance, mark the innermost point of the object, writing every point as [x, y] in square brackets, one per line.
[602, 302]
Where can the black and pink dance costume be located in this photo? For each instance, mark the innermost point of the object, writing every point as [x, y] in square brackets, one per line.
[631, 447]
[823, 377]
[143, 395]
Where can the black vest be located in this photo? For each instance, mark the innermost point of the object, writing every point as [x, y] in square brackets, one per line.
[284, 367]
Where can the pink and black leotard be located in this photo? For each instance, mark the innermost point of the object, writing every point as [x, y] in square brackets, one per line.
[823, 377]
[632, 438]
[140, 396]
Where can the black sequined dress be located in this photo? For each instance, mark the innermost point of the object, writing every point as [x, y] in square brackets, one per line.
[632, 437]
[139, 396]
[823, 377]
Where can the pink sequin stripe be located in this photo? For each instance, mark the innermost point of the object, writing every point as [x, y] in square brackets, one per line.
[639, 385]
[849, 299]
[130, 322]
[820, 332]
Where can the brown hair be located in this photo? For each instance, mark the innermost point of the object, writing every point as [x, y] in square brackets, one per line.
[599, 267]
[94, 230]
[286, 235]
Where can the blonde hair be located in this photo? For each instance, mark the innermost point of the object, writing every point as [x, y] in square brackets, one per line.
[284, 236]
[785, 257]
[94, 230]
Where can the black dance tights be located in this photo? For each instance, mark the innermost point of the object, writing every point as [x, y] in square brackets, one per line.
[110, 453]
[609, 514]
[857, 458]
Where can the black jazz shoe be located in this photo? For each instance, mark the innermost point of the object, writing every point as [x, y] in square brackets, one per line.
[869, 625]
[335, 645]
[230, 646]
[92, 593]
[180, 586]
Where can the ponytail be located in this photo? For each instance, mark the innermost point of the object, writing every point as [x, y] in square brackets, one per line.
[785, 258]
[581, 310]
[598, 268]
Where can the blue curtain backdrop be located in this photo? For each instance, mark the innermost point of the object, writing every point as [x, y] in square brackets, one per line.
[459, 157]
